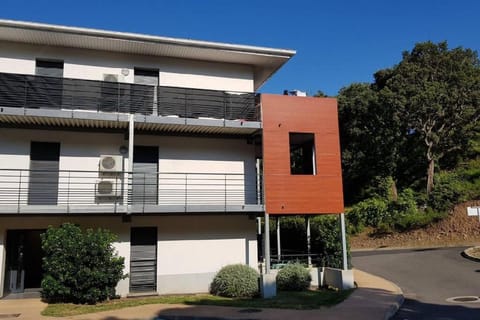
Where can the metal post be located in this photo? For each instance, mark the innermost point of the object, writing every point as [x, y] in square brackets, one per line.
[131, 131]
[279, 248]
[259, 182]
[267, 243]
[309, 245]
[344, 241]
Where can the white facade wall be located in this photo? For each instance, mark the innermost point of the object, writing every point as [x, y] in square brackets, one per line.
[93, 65]
[218, 167]
[190, 249]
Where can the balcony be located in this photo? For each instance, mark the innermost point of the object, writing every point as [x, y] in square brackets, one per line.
[155, 108]
[93, 192]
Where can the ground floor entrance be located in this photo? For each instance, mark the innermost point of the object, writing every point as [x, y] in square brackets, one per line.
[23, 260]
[164, 253]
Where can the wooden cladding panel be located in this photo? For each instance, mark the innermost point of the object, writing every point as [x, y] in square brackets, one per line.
[301, 194]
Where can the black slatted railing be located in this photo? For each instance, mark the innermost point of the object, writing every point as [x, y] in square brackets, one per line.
[200, 103]
[39, 92]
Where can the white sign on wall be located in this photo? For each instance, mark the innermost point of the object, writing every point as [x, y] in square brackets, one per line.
[473, 211]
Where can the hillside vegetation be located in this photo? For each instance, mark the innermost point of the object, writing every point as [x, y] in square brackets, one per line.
[410, 140]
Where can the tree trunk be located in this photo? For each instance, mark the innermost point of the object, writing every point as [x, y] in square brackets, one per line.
[430, 173]
[394, 191]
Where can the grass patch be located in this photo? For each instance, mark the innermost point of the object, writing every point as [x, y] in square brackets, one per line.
[285, 300]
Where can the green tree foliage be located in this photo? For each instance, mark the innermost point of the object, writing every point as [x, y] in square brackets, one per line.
[435, 92]
[416, 117]
[80, 267]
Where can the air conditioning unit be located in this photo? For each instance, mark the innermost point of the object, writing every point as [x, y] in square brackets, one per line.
[113, 77]
[110, 77]
[110, 163]
[108, 188]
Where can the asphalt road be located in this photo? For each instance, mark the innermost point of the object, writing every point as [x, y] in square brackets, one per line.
[427, 277]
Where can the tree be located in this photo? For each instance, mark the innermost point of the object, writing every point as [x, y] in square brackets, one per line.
[320, 94]
[79, 267]
[436, 92]
[371, 140]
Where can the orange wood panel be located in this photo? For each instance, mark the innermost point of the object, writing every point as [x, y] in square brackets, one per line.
[301, 194]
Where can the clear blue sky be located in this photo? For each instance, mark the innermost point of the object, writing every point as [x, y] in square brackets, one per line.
[338, 42]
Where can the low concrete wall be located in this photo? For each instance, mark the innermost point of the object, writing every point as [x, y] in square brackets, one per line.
[338, 278]
[317, 275]
[184, 283]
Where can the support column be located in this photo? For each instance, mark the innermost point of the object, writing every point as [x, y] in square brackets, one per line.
[268, 282]
[266, 239]
[344, 241]
[309, 245]
[279, 246]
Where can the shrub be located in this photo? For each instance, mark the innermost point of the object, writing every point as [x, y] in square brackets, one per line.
[79, 267]
[235, 281]
[293, 277]
[446, 193]
[371, 211]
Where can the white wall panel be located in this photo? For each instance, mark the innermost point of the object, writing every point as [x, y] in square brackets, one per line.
[92, 65]
[217, 169]
[204, 75]
[187, 245]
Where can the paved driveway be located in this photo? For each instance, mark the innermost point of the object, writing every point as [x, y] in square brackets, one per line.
[427, 277]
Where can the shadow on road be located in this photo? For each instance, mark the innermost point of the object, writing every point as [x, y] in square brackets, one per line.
[411, 311]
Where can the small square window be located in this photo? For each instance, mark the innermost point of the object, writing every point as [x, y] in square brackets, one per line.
[302, 153]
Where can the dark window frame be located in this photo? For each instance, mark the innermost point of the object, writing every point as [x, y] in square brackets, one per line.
[302, 153]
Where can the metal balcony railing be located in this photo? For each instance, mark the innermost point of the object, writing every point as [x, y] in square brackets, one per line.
[39, 92]
[200, 103]
[27, 189]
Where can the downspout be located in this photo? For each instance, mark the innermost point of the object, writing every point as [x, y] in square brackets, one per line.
[131, 131]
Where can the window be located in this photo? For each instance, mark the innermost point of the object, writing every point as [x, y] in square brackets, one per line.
[49, 68]
[302, 153]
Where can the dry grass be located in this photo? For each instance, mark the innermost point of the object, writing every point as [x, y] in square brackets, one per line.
[286, 300]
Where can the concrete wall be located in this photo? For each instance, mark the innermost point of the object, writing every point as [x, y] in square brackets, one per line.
[93, 65]
[232, 159]
[190, 249]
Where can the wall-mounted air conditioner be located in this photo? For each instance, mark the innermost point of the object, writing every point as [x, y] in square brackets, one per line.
[108, 188]
[110, 163]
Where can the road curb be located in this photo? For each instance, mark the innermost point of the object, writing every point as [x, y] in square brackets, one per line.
[466, 254]
[399, 300]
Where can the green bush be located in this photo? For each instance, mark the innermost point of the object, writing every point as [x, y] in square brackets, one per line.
[79, 267]
[293, 277]
[235, 281]
[446, 193]
[371, 212]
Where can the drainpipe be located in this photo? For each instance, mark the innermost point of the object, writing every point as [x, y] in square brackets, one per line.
[131, 127]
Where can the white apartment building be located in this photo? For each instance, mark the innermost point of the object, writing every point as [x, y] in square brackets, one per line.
[157, 139]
